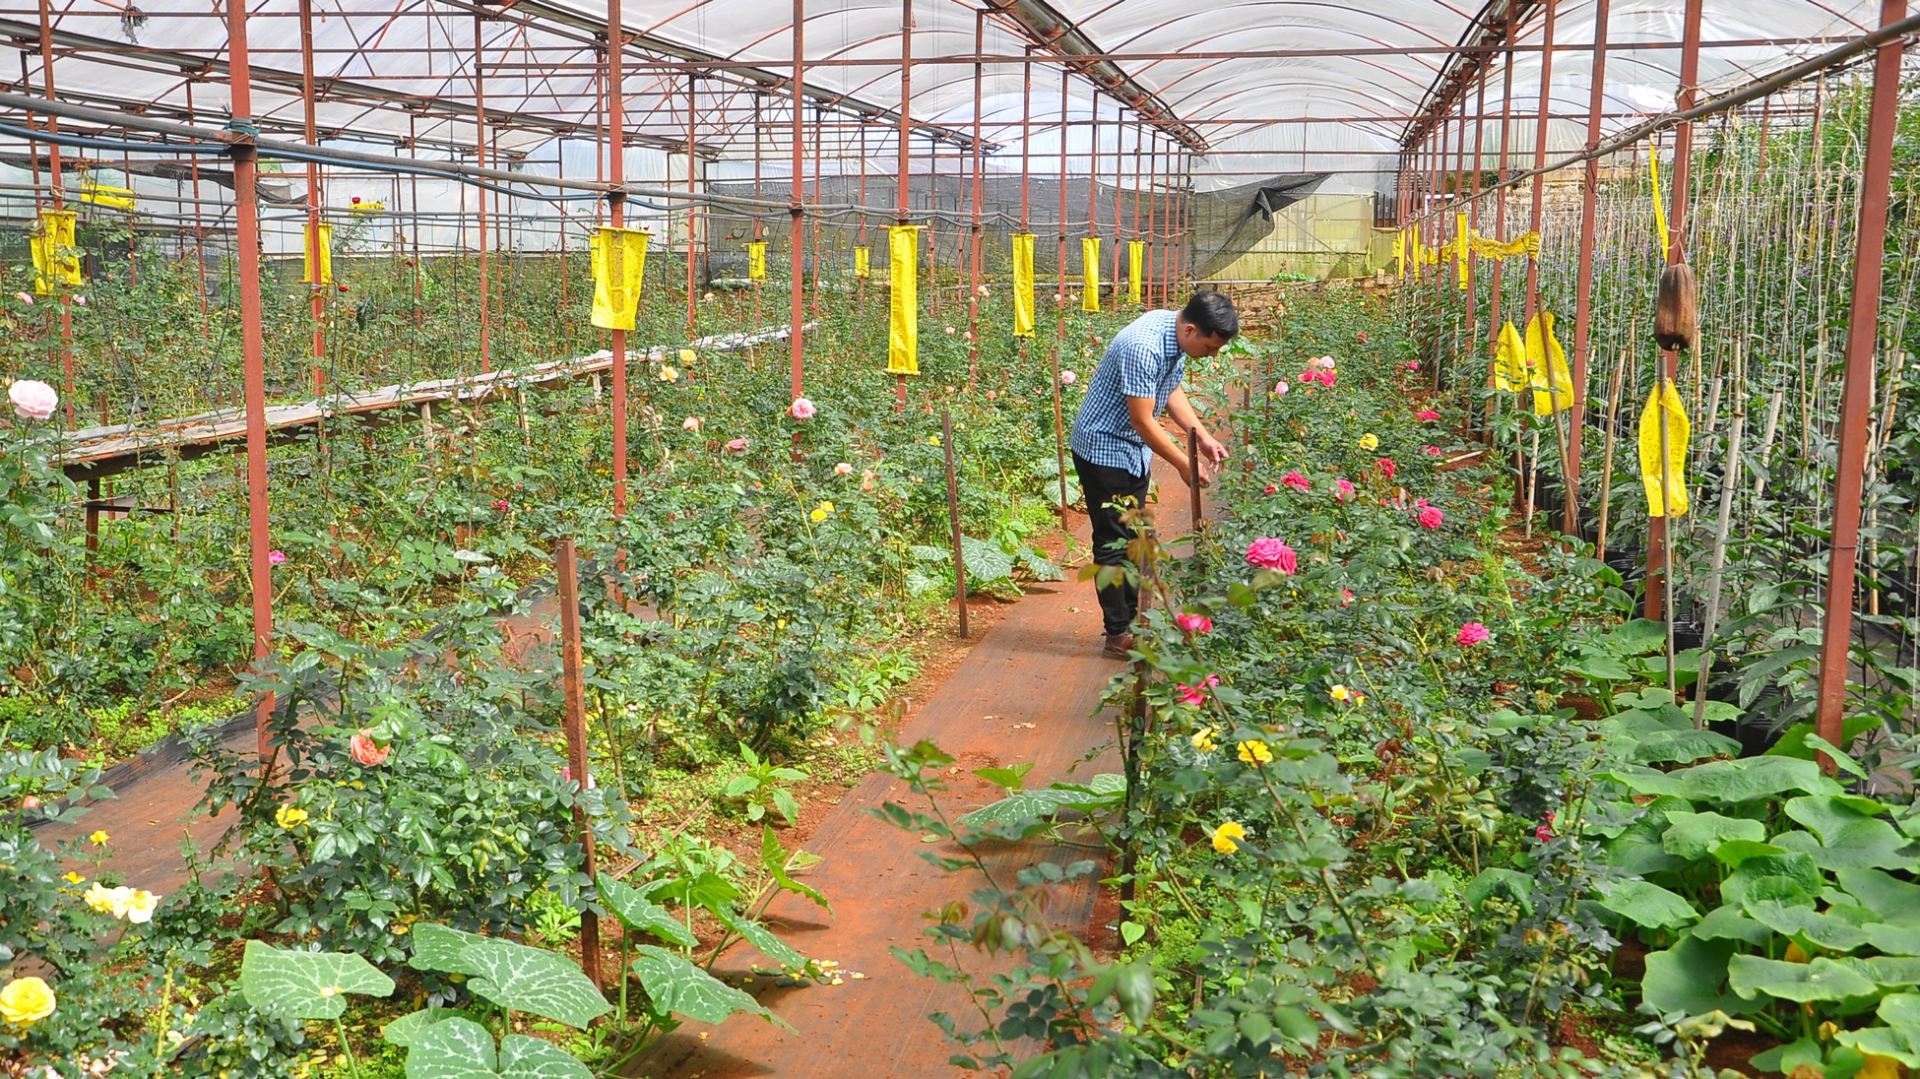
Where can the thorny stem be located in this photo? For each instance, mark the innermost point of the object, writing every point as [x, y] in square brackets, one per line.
[1326, 877]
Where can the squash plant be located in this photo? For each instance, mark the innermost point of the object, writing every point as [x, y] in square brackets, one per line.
[1779, 897]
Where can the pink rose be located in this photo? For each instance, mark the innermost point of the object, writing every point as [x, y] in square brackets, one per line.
[1544, 831]
[1413, 365]
[1430, 451]
[500, 505]
[801, 409]
[950, 331]
[968, 335]
[1346, 598]
[1296, 481]
[1345, 489]
[366, 750]
[32, 399]
[1472, 633]
[1268, 489]
[274, 558]
[691, 423]
[1426, 414]
[1363, 337]
[1280, 388]
[1269, 553]
[1324, 363]
[738, 445]
[29, 802]
[843, 469]
[1067, 377]
[1193, 623]
[866, 481]
[1431, 517]
[1386, 466]
[24, 297]
[1195, 695]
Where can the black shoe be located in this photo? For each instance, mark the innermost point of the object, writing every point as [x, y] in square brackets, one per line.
[1118, 646]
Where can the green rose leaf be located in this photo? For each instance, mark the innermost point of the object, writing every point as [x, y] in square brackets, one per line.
[1821, 979]
[680, 987]
[291, 984]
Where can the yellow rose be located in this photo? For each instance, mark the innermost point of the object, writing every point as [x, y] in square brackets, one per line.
[140, 907]
[668, 374]
[289, 817]
[1340, 693]
[102, 899]
[98, 839]
[1203, 740]
[687, 355]
[1224, 836]
[26, 1001]
[1369, 442]
[1255, 751]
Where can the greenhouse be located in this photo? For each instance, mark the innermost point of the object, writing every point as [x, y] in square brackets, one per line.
[1032, 538]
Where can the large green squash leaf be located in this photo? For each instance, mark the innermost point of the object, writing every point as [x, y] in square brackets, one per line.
[1690, 977]
[533, 980]
[1694, 835]
[1851, 839]
[1808, 928]
[1517, 885]
[641, 914]
[457, 1048]
[680, 987]
[1792, 868]
[1728, 782]
[1731, 923]
[1821, 979]
[1891, 898]
[292, 984]
[1647, 904]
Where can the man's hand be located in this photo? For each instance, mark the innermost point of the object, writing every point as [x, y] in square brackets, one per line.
[1212, 451]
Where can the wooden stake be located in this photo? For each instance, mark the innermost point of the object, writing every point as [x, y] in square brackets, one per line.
[953, 514]
[573, 676]
[1606, 465]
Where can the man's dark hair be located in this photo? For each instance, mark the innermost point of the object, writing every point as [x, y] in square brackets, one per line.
[1212, 313]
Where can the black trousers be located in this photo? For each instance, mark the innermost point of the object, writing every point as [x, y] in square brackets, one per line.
[1120, 602]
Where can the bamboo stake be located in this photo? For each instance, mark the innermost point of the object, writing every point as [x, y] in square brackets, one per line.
[1666, 511]
[1766, 440]
[1606, 466]
[1730, 477]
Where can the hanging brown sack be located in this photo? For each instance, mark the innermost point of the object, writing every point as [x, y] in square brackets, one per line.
[1676, 315]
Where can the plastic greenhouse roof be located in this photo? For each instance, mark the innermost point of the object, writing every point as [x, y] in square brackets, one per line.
[1330, 86]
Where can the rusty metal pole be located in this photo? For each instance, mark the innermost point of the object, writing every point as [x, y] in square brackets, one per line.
[797, 246]
[199, 232]
[973, 273]
[480, 193]
[59, 203]
[573, 677]
[1676, 253]
[693, 225]
[1193, 482]
[953, 517]
[1856, 398]
[616, 217]
[316, 288]
[1500, 206]
[1540, 158]
[906, 135]
[1060, 260]
[1583, 302]
[246, 224]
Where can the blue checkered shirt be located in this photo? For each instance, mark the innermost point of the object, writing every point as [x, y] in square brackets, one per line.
[1143, 360]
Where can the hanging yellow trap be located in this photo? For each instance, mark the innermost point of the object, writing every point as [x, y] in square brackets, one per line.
[1090, 273]
[1664, 407]
[903, 337]
[619, 266]
[53, 259]
[1023, 284]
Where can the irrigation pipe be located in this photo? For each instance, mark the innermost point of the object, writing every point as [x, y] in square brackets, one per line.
[1750, 92]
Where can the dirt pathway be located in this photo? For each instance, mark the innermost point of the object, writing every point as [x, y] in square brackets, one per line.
[1027, 692]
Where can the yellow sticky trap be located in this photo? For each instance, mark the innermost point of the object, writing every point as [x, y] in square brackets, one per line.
[1136, 259]
[862, 262]
[1400, 253]
[1528, 245]
[757, 261]
[619, 265]
[117, 198]
[366, 207]
[325, 249]
[1090, 273]
[903, 338]
[1461, 254]
[1510, 361]
[1023, 284]
[1551, 381]
[1663, 404]
[1659, 207]
[53, 259]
